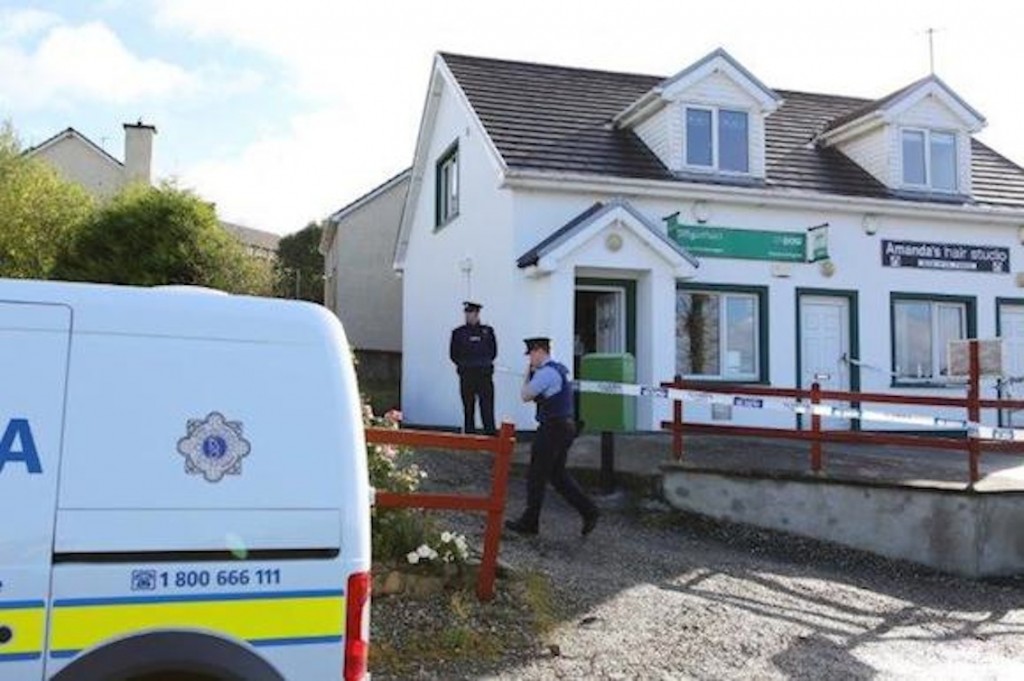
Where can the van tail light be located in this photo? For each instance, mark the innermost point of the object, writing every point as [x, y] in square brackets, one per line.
[357, 626]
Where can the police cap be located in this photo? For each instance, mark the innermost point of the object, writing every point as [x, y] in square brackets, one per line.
[470, 306]
[538, 342]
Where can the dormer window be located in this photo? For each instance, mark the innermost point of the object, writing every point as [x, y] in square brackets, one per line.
[717, 139]
[929, 159]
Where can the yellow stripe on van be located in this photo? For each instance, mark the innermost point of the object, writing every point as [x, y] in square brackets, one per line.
[262, 619]
[27, 622]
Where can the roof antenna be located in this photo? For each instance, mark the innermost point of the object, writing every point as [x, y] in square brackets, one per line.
[931, 50]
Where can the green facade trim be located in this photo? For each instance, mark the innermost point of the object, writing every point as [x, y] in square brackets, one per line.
[852, 297]
[451, 151]
[761, 292]
[629, 285]
[969, 302]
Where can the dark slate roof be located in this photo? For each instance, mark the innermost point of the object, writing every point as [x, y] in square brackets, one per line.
[256, 238]
[557, 118]
[552, 241]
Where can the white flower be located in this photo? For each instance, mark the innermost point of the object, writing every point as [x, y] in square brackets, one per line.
[413, 557]
[424, 551]
[446, 537]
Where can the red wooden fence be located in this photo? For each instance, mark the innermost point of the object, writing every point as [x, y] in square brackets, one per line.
[972, 404]
[493, 504]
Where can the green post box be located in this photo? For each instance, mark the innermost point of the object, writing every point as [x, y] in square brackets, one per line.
[608, 413]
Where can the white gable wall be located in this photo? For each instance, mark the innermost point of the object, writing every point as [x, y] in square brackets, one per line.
[433, 282]
[871, 152]
[933, 114]
[656, 133]
[78, 162]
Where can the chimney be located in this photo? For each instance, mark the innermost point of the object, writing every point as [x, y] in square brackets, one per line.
[138, 151]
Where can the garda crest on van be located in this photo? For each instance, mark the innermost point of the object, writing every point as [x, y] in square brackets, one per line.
[214, 447]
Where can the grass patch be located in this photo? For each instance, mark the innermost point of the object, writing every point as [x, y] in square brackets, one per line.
[539, 602]
[454, 635]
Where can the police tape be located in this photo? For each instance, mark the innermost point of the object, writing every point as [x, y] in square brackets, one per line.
[973, 429]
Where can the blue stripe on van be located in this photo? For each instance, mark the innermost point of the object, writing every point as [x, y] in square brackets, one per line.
[21, 605]
[19, 657]
[195, 598]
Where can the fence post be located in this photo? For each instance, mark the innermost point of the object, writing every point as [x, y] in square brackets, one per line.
[677, 423]
[974, 411]
[815, 428]
[499, 488]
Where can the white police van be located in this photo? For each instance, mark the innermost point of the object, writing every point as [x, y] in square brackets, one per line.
[183, 488]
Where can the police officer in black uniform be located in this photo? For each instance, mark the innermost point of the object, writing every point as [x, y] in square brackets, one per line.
[547, 383]
[473, 348]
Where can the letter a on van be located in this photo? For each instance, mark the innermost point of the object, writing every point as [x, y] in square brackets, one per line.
[184, 475]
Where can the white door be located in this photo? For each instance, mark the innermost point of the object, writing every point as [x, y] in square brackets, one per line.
[1011, 329]
[611, 322]
[34, 342]
[824, 344]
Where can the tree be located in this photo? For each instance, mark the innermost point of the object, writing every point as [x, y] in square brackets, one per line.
[148, 236]
[300, 267]
[39, 211]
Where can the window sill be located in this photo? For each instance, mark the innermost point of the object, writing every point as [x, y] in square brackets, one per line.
[924, 385]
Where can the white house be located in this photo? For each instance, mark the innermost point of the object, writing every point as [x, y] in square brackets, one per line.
[81, 160]
[712, 226]
[360, 287]
[78, 159]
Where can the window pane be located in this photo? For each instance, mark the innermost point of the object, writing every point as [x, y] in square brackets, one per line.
[951, 327]
[453, 179]
[698, 137]
[733, 148]
[913, 336]
[697, 334]
[943, 165]
[740, 336]
[913, 157]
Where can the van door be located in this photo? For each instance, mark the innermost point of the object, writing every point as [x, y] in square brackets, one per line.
[34, 345]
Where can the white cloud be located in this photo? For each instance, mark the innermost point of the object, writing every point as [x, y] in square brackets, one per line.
[16, 24]
[282, 181]
[86, 62]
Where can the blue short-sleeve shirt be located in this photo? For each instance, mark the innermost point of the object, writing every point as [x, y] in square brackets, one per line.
[546, 381]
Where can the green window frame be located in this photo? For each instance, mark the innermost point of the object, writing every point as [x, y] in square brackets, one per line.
[917, 349]
[727, 351]
[446, 186]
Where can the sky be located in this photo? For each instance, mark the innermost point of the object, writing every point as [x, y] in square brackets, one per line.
[283, 112]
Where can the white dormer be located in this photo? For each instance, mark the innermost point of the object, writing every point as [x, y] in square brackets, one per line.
[918, 139]
[707, 119]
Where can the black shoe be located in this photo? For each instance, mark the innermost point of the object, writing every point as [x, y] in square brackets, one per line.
[520, 527]
[590, 522]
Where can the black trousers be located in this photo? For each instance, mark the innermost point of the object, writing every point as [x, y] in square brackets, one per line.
[547, 464]
[477, 385]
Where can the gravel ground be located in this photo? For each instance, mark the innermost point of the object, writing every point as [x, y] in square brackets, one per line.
[653, 594]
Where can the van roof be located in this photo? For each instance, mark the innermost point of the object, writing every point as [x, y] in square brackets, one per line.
[180, 311]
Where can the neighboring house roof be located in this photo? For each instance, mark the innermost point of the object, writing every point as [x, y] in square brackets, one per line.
[340, 214]
[554, 118]
[257, 238]
[590, 216]
[72, 133]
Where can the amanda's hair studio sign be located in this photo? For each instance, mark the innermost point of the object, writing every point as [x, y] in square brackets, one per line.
[937, 256]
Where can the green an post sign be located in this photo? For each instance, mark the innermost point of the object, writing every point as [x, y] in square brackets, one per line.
[750, 244]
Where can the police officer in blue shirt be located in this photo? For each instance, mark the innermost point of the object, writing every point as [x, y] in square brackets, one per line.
[473, 348]
[547, 383]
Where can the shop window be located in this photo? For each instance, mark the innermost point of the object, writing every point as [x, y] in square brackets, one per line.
[721, 333]
[922, 328]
